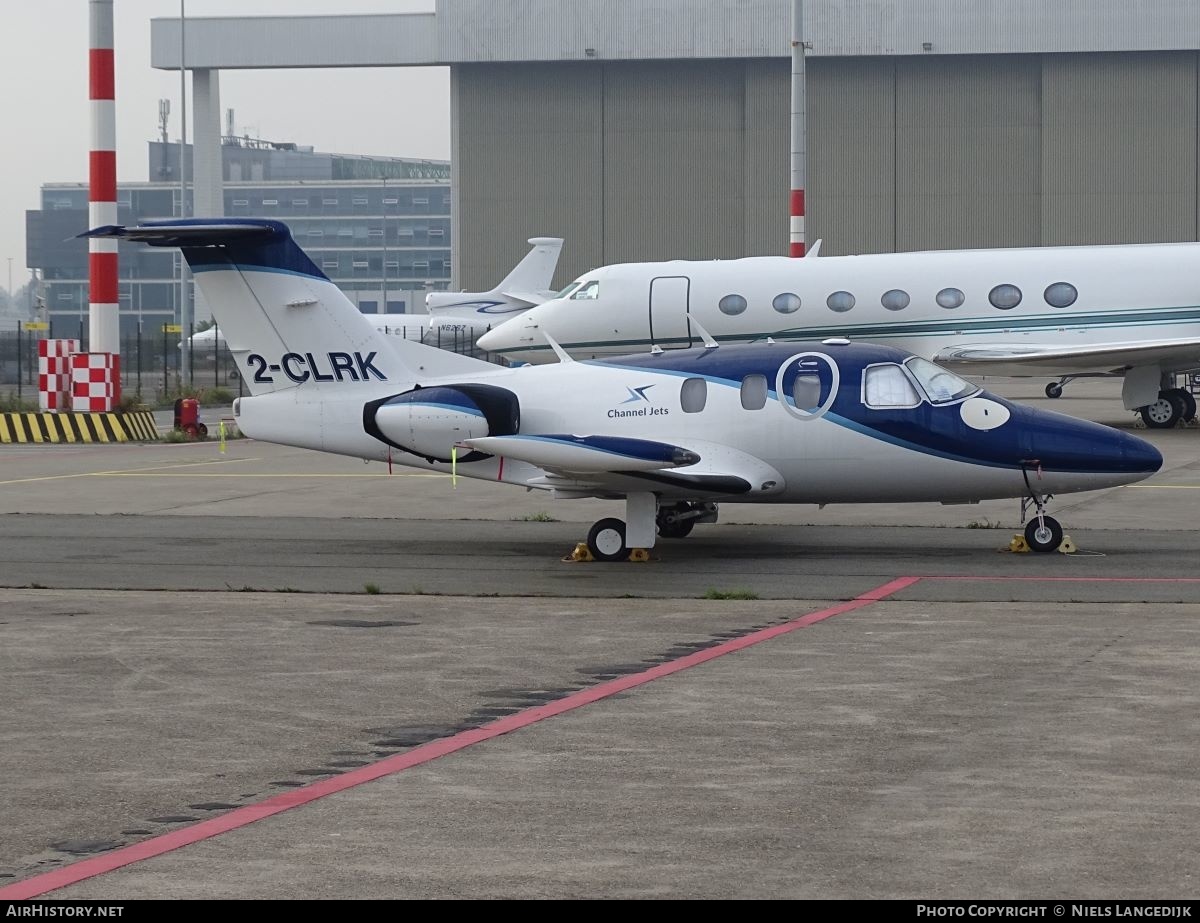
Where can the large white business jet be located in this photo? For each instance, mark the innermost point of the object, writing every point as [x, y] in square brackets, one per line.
[1060, 312]
[672, 432]
[459, 318]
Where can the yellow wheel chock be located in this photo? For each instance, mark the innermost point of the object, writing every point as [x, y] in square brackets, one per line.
[581, 555]
[1018, 545]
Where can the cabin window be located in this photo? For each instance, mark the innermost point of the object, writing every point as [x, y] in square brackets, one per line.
[840, 302]
[894, 300]
[693, 395]
[754, 392]
[732, 304]
[806, 391]
[888, 386]
[941, 386]
[786, 303]
[950, 298]
[1005, 297]
[589, 291]
[1061, 294]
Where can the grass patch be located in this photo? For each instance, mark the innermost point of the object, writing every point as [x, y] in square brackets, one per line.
[536, 517]
[711, 593]
[371, 589]
[984, 523]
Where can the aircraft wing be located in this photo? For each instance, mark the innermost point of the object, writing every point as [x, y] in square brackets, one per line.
[585, 454]
[618, 464]
[1020, 359]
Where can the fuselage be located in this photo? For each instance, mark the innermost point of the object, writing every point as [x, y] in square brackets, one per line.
[923, 302]
[790, 423]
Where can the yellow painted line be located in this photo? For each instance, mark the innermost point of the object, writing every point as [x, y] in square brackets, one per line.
[93, 474]
[140, 474]
[5, 436]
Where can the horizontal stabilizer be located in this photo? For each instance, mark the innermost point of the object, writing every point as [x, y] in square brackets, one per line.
[185, 233]
[581, 454]
[529, 298]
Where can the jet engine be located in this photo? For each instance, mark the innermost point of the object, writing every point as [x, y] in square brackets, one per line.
[429, 421]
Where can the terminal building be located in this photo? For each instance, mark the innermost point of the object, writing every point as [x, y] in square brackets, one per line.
[378, 226]
[656, 130]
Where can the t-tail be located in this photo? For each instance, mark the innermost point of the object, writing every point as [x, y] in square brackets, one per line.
[287, 325]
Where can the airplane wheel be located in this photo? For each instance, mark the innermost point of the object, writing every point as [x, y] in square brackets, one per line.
[1044, 536]
[679, 529]
[606, 541]
[1165, 412]
[670, 527]
[1189, 403]
[1054, 389]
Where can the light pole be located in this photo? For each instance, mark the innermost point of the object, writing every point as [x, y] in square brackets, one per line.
[185, 308]
[11, 302]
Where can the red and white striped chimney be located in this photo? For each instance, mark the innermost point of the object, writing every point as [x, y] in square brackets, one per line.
[104, 322]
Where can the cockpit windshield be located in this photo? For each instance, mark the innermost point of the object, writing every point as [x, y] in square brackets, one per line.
[588, 291]
[570, 288]
[940, 385]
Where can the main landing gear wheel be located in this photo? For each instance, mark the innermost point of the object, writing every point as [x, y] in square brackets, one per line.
[1054, 389]
[678, 529]
[1043, 534]
[673, 521]
[1165, 412]
[606, 541]
[1189, 403]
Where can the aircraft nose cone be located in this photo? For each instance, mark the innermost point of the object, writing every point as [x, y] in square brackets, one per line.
[1140, 455]
[1064, 443]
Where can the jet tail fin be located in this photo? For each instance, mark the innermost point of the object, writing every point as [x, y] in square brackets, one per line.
[287, 325]
[533, 276]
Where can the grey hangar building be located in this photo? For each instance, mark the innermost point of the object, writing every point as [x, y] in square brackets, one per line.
[656, 129]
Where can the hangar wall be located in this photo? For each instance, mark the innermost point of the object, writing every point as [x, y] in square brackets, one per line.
[627, 161]
[653, 160]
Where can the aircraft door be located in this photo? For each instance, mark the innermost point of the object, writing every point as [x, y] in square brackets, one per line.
[669, 326]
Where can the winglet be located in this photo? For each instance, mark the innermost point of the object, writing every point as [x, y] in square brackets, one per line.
[815, 249]
[563, 357]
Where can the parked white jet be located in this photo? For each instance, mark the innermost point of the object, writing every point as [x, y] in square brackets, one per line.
[672, 432]
[1061, 312]
[455, 319]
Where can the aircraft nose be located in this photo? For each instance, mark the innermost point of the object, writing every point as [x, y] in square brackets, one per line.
[1062, 443]
[504, 337]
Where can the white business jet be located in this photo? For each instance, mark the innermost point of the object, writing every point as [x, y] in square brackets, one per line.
[672, 432]
[458, 319]
[1061, 312]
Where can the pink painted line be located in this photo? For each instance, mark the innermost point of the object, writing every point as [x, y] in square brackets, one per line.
[1065, 579]
[240, 817]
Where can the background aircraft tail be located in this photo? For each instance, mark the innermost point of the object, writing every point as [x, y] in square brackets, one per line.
[531, 280]
[285, 322]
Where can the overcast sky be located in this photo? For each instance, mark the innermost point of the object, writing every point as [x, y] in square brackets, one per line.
[43, 75]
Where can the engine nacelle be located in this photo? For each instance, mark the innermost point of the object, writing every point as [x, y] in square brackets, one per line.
[429, 421]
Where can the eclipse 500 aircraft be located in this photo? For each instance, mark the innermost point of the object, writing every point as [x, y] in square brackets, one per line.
[1061, 312]
[673, 433]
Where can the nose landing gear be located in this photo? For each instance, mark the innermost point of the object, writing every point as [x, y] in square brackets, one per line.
[1042, 533]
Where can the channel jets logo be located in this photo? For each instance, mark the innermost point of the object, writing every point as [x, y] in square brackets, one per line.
[644, 408]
